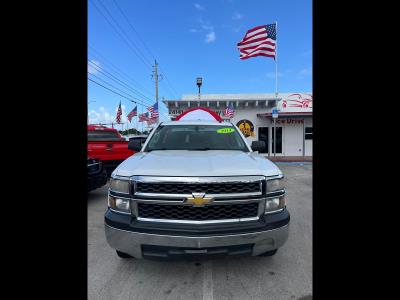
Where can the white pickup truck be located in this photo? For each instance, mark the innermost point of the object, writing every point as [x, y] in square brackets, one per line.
[196, 188]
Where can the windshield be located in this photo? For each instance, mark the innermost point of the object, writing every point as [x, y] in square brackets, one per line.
[196, 137]
[103, 135]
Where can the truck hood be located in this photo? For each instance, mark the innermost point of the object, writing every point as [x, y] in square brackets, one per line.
[197, 163]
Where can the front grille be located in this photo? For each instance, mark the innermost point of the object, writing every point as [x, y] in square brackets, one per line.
[208, 188]
[190, 213]
[93, 166]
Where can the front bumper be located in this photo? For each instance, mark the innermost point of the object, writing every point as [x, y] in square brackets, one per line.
[131, 242]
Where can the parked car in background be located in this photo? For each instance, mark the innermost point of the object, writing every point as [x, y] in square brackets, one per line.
[142, 138]
[97, 176]
[107, 145]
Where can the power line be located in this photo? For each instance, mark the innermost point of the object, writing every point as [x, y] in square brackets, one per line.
[137, 33]
[110, 89]
[123, 38]
[175, 92]
[123, 31]
[145, 45]
[118, 89]
[142, 102]
[119, 71]
[104, 72]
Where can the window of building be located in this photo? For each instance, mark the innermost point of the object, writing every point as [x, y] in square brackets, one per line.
[278, 139]
[308, 133]
[264, 136]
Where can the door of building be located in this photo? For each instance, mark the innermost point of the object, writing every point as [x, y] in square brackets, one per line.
[308, 138]
[279, 138]
[263, 135]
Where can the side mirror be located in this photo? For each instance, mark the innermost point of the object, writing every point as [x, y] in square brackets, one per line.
[258, 145]
[135, 145]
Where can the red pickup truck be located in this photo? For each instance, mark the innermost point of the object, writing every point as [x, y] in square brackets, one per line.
[107, 145]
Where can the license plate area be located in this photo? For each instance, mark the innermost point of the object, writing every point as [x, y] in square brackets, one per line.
[164, 252]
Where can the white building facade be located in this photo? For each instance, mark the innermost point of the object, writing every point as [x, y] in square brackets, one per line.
[253, 115]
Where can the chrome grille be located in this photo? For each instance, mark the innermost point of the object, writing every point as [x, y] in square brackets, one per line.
[190, 213]
[164, 198]
[188, 188]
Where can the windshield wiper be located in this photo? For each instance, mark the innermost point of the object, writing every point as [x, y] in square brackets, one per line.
[200, 149]
[155, 149]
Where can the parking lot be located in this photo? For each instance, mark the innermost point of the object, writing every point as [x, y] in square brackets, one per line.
[286, 275]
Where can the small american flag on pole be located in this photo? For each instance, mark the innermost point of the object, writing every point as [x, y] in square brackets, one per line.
[258, 41]
[132, 114]
[153, 110]
[151, 121]
[229, 111]
[143, 117]
[119, 113]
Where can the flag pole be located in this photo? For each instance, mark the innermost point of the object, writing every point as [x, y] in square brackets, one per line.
[276, 81]
[276, 60]
[142, 114]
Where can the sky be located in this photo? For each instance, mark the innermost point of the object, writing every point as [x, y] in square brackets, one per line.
[190, 39]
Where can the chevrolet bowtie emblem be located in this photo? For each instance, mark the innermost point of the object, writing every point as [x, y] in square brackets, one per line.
[198, 199]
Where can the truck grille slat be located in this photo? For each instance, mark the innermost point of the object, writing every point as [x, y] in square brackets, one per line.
[208, 188]
[185, 212]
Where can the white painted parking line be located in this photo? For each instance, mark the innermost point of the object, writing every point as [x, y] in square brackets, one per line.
[207, 281]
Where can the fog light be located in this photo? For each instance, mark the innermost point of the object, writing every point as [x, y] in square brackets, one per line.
[118, 204]
[274, 204]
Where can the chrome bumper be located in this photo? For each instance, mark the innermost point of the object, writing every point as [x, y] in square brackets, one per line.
[130, 242]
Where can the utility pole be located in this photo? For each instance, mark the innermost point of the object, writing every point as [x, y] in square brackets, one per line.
[155, 75]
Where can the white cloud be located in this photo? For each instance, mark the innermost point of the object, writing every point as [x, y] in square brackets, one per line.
[210, 37]
[199, 7]
[103, 116]
[94, 67]
[237, 16]
[207, 27]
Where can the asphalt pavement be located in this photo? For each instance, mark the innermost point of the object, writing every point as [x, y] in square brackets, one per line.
[286, 275]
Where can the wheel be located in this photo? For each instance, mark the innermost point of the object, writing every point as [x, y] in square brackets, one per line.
[269, 253]
[123, 255]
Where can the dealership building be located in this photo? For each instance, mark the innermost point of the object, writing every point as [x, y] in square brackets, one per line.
[253, 115]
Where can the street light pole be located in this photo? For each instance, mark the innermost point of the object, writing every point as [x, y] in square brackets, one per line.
[199, 82]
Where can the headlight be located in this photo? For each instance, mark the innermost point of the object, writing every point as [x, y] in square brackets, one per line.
[119, 204]
[120, 186]
[274, 185]
[274, 204]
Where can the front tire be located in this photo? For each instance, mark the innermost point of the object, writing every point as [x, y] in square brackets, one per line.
[123, 255]
[269, 253]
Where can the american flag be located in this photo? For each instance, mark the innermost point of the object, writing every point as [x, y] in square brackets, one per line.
[229, 111]
[143, 117]
[153, 110]
[132, 114]
[151, 121]
[119, 113]
[258, 41]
